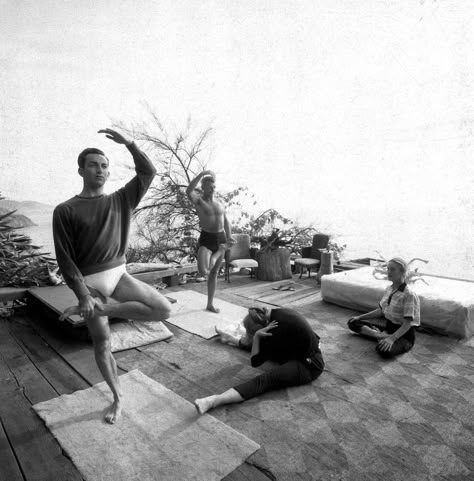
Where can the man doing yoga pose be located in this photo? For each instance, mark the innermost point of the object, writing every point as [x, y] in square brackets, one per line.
[215, 234]
[90, 237]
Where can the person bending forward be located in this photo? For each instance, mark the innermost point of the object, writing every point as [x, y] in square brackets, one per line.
[280, 335]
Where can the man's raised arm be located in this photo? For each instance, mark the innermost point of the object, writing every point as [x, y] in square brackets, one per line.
[144, 168]
[143, 164]
[191, 189]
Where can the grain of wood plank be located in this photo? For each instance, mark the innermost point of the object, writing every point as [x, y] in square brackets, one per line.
[54, 368]
[26, 374]
[78, 354]
[38, 453]
[9, 469]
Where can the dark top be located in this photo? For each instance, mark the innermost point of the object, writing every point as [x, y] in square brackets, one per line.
[292, 339]
[91, 233]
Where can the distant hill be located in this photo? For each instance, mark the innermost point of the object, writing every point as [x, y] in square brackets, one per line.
[27, 213]
[26, 207]
[16, 220]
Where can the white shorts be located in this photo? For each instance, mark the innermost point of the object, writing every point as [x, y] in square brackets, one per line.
[106, 281]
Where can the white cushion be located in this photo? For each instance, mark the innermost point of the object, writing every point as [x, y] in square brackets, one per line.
[243, 263]
[446, 305]
[306, 261]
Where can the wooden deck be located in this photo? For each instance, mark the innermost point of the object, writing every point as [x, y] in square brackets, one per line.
[363, 419]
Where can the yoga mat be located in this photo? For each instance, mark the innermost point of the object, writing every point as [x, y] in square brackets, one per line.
[159, 437]
[129, 334]
[189, 313]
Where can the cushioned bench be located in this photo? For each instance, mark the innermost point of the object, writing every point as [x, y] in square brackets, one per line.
[446, 305]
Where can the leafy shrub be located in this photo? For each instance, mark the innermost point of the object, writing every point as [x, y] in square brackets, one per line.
[21, 263]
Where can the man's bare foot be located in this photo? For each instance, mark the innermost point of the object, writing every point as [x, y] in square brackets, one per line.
[204, 404]
[113, 412]
[211, 308]
[225, 337]
[75, 310]
[70, 311]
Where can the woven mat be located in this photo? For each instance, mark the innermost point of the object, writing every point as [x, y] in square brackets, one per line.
[160, 435]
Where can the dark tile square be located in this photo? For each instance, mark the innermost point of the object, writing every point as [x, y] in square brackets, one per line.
[419, 433]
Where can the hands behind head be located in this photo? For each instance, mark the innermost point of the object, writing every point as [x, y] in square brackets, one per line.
[264, 331]
[115, 136]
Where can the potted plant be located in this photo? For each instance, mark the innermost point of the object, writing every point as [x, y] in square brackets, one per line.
[273, 256]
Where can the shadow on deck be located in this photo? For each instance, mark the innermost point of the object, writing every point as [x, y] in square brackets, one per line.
[363, 419]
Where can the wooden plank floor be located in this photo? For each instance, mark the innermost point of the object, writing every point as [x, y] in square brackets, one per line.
[363, 419]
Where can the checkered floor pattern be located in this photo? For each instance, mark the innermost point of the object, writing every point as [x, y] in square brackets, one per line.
[364, 419]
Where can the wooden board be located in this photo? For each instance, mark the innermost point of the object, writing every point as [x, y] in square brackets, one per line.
[59, 374]
[58, 298]
[9, 466]
[8, 294]
[34, 385]
[78, 354]
[37, 452]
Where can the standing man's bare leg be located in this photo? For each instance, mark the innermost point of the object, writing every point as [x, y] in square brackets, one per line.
[214, 266]
[203, 261]
[100, 333]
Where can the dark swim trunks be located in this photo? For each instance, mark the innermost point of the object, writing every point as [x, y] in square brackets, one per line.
[211, 240]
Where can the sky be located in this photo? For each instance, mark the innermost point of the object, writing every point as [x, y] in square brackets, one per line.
[358, 116]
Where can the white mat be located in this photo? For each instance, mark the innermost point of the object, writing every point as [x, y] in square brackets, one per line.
[189, 313]
[159, 437]
[130, 334]
[446, 305]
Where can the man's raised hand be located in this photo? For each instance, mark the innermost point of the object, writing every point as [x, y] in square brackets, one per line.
[210, 173]
[115, 136]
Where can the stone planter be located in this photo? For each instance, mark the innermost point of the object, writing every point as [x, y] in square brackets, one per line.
[273, 265]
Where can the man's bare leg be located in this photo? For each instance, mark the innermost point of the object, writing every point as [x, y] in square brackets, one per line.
[231, 396]
[203, 260]
[100, 332]
[214, 266]
[136, 300]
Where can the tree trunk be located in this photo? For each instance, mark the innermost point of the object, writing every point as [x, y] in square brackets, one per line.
[274, 265]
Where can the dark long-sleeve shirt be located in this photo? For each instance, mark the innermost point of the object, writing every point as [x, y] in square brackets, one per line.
[292, 339]
[91, 233]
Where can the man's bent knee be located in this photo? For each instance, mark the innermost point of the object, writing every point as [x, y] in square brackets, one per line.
[161, 308]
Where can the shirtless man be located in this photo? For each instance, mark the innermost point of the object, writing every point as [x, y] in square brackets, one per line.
[215, 234]
[90, 237]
